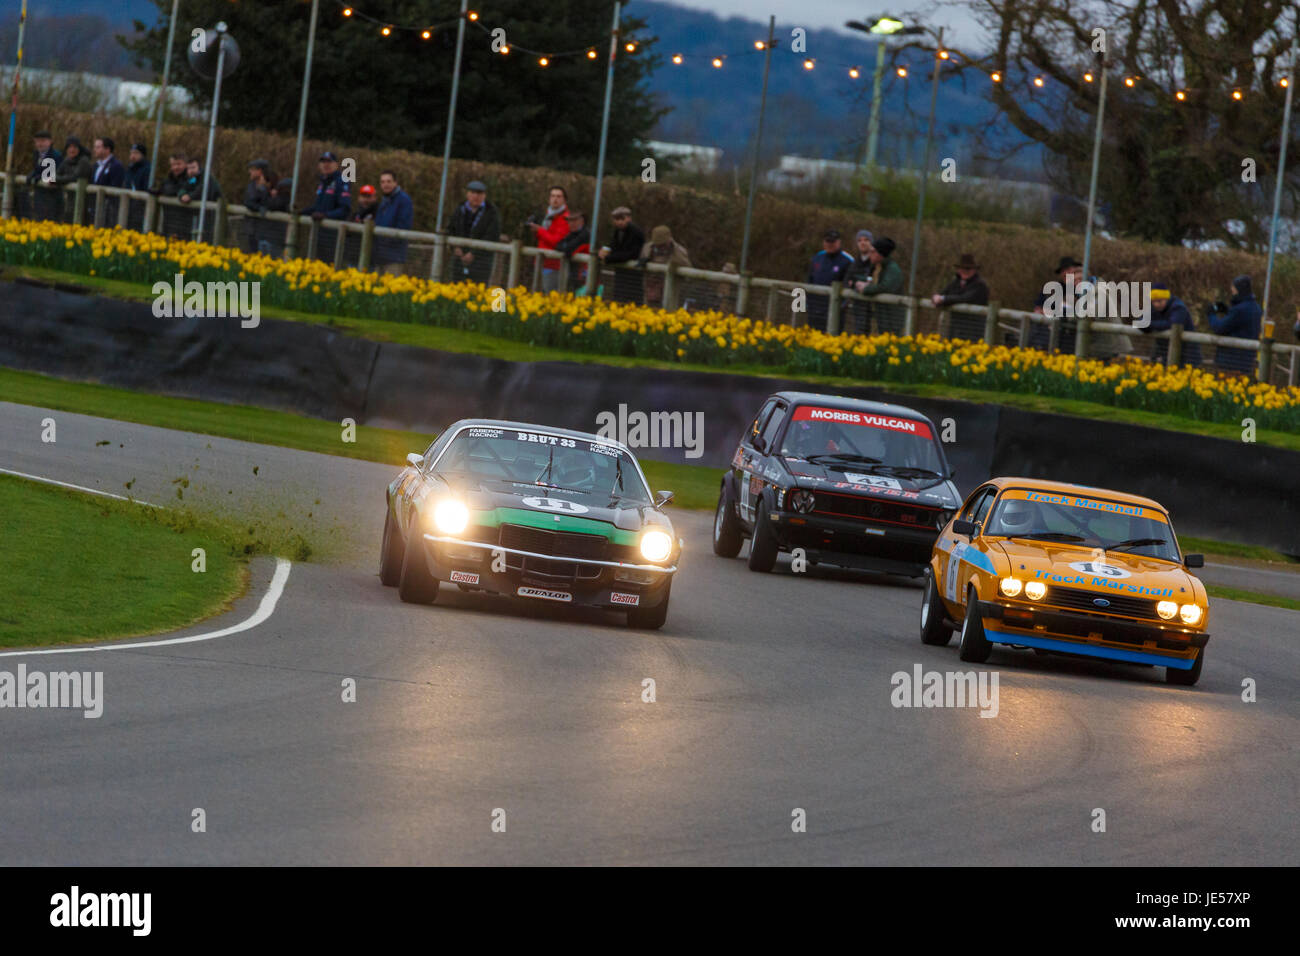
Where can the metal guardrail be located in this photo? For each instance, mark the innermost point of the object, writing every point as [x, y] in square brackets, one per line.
[511, 264]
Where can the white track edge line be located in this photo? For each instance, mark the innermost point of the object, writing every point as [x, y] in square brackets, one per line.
[66, 484]
[264, 610]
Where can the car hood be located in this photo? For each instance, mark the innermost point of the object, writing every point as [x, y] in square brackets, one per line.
[1106, 572]
[860, 480]
[510, 502]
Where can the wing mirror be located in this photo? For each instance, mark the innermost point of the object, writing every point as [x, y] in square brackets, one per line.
[415, 461]
[759, 444]
[968, 528]
[662, 498]
[1194, 560]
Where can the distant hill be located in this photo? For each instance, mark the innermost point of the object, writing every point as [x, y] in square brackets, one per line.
[820, 113]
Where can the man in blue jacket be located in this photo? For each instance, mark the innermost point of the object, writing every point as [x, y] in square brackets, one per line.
[1167, 310]
[1239, 321]
[333, 201]
[396, 211]
[830, 265]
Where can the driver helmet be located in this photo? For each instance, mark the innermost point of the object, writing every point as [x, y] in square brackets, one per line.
[573, 468]
[1018, 515]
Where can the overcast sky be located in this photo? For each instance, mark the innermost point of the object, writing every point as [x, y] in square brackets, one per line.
[959, 26]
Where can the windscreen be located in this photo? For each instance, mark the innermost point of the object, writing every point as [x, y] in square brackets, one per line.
[546, 460]
[1091, 522]
[895, 445]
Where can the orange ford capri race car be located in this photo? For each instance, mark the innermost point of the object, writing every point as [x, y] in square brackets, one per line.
[1066, 569]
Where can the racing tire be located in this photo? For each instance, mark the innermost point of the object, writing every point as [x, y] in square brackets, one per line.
[390, 553]
[933, 630]
[727, 534]
[416, 585]
[650, 618]
[973, 648]
[1181, 678]
[763, 547]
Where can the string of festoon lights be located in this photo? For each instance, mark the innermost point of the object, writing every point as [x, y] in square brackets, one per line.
[545, 58]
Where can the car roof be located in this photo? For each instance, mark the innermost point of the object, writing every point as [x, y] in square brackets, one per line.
[852, 404]
[526, 426]
[1043, 484]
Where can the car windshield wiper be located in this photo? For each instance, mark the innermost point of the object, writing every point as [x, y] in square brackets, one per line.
[907, 471]
[843, 456]
[1049, 536]
[546, 472]
[1134, 543]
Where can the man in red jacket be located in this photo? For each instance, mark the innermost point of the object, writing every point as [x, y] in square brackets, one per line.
[553, 227]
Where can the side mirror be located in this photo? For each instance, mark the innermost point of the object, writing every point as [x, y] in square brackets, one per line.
[968, 528]
[662, 498]
[759, 444]
[415, 461]
[1194, 560]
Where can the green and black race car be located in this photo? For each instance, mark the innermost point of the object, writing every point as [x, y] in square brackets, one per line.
[533, 512]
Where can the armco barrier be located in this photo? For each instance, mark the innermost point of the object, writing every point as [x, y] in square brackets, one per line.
[1229, 490]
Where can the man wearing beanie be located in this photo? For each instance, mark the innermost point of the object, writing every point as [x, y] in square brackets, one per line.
[1167, 310]
[1240, 320]
[137, 172]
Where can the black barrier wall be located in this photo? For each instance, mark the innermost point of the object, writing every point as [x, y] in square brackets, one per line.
[1232, 491]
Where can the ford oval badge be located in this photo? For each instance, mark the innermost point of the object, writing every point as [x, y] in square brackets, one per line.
[1101, 602]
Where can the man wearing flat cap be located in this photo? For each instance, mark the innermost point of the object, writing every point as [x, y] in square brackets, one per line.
[475, 218]
[46, 203]
[967, 288]
[624, 247]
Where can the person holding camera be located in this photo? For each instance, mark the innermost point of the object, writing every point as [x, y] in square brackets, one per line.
[1238, 320]
[553, 227]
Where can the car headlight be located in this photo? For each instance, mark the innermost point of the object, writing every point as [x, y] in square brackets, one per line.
[1190, 613]
[450, 516]
[802, 501]
[656, 545]
[1010, 586]
[1167, 610]
[1034, 590]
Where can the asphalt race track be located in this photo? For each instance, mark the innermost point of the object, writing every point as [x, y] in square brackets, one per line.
[773, 692]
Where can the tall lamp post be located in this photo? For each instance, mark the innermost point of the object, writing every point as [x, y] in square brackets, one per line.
[880, 30]
[939, 56]
[1277, 196]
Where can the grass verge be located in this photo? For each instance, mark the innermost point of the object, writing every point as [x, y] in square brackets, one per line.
[92, 568]
[1251, 597]
[462, 341]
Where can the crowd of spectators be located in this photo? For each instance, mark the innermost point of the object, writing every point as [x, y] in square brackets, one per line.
[561, 232]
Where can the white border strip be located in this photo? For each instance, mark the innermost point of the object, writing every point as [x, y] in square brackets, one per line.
[65, 484]
[264, 610]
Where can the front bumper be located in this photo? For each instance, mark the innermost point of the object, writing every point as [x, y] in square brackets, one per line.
[1092, 635]
[862, 544]
[582, 581]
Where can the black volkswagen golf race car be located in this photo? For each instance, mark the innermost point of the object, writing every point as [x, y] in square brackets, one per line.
[853, 483]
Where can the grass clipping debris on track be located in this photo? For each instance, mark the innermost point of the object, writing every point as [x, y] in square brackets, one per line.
[83, 568]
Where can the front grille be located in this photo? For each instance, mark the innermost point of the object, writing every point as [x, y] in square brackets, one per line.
[873, 509]
[562, 544]
[1077, 599]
